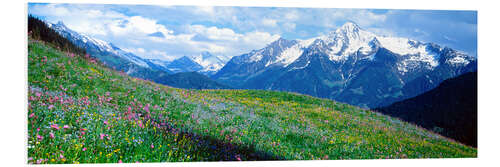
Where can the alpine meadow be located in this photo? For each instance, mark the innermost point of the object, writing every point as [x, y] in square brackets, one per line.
[231, 93]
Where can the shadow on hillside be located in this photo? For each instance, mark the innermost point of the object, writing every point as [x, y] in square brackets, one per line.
[217, 149]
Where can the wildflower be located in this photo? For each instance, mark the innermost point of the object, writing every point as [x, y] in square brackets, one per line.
[61, 156]
[106, 122]
[120, 161]
[32, 115]
[39, 137]
[51, 135]
[102, 136]
[55, 126]
[84, 148]
[66, 126]
[51, 106]
[152, 146]
[140, 124]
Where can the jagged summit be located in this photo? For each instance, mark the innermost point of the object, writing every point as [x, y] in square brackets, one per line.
[344, 64]
[349, 26]
[279, 42]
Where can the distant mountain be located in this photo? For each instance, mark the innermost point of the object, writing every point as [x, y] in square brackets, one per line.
[149, 69]
[210, 63]
[450, 109]
[349, 65]
[204, 63]
[191, 80]
[183, 64]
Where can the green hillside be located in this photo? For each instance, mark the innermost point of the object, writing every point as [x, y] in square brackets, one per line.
[81, 112]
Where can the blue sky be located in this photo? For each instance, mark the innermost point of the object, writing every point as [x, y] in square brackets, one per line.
[168, 32]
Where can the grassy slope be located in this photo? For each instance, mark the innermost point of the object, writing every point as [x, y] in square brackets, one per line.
[80, 111]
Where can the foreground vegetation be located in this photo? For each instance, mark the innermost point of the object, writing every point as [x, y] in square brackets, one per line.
[82, 112]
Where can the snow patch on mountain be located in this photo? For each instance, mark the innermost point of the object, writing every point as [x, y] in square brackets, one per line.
[298, 68]
[289, 55]
[257, 56]
[459, 59]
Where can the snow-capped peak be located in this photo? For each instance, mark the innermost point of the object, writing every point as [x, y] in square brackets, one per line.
[210, 62]
[347, 40]
[349, 28]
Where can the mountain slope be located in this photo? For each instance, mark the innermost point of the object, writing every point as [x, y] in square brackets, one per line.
[449, 109]
[349, 65]
[109, 53]
[79, 111]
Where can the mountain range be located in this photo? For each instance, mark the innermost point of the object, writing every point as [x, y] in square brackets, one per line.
[204, 63]
[349, 65]
[149, 69]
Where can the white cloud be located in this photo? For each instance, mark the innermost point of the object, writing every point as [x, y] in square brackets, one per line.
[289, 26]
[136, 25]
[292, 15]
[269, 22]
[214, 33]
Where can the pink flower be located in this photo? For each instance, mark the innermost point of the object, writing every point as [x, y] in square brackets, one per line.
[84, 148]
[120, 161]
[106, 122]
[152, 146]
[51, 106]
[39, 137]
[140, 124]
[66, 126]
[61, 156]
[102, 136]
[51, 135]
[38, 94]
[32, 115]
[55, 126]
